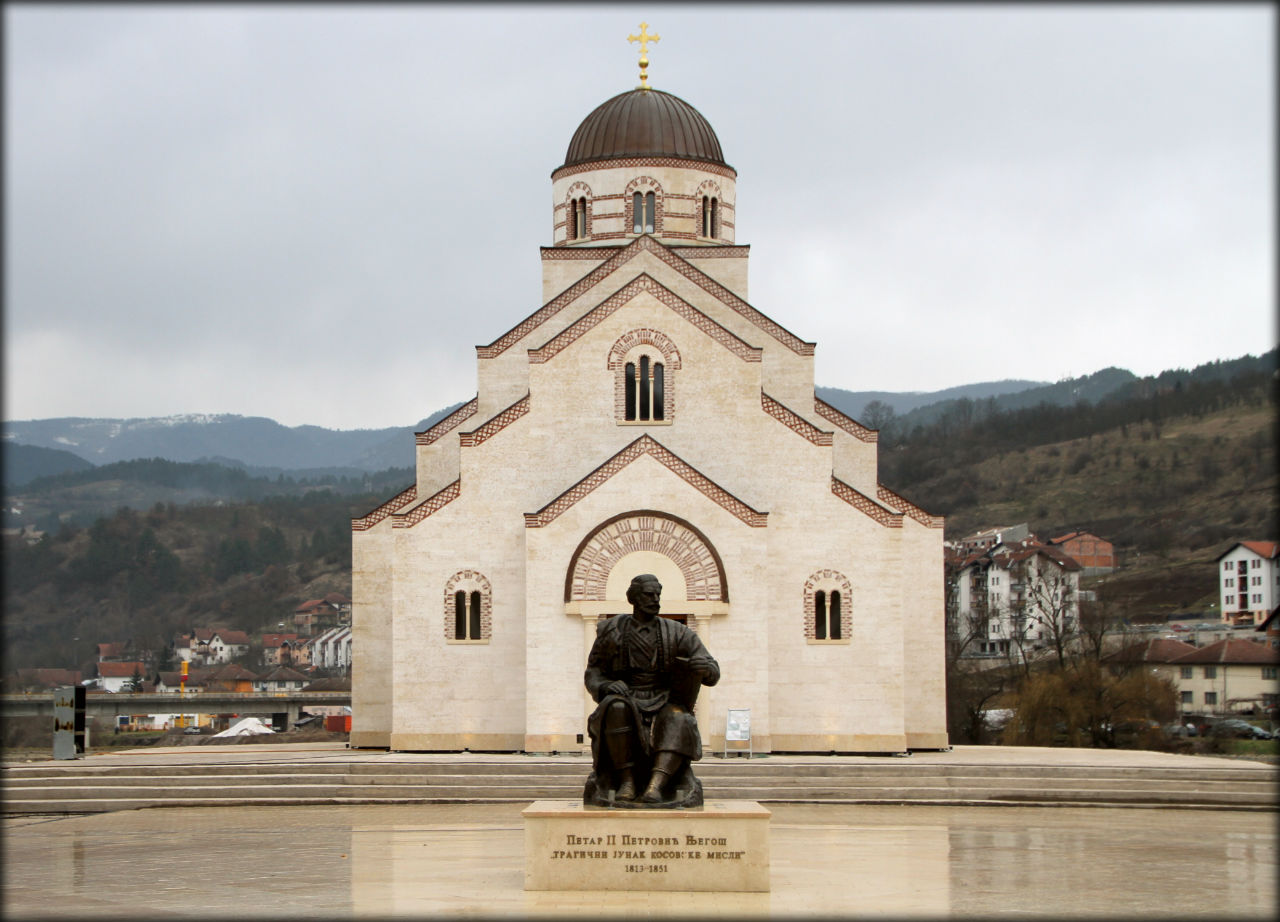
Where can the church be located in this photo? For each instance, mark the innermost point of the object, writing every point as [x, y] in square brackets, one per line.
[647, 418]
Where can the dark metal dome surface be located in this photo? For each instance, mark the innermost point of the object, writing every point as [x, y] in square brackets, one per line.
[644, 123]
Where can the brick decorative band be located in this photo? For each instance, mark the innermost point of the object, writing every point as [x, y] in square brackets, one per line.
[497, 424]
[568, 252]
[630, 163]
[793, 422]
[644, 283]
[646, 445]
[729, 252]
[906, 507]
[429, 507]
[399, 501]
[851, 426]
[620, 256]
[865, 504]
[448, 424]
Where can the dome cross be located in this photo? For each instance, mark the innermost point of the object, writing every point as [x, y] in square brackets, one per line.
[644, 38]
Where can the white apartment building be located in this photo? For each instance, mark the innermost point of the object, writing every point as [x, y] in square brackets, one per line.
[1249, 581]
[1014, 598]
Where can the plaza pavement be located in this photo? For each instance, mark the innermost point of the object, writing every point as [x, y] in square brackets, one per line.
[828, 860]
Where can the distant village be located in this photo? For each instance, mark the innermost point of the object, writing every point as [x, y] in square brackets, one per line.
[315, 656]
[1013, 597]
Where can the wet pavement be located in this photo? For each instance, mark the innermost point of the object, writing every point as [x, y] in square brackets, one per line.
[827, 860]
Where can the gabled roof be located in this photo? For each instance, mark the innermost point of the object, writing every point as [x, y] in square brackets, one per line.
[337, 598]
[283, 674]
[236, 637]
[1155, 650]
[646, 445]
[338, 683]
[276, 640]
[1264, 549]
[228, 673]
[1232, 652]
[644, 284]
[111, 649]
[119, 670]
[614, 258]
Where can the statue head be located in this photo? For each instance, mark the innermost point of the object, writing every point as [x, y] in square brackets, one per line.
[645, 594]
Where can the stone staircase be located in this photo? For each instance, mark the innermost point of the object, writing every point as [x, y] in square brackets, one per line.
[124, 784]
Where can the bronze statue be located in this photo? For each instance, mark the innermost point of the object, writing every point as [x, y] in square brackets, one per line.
[645, 672]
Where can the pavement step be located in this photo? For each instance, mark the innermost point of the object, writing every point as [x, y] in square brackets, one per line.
[14, 786]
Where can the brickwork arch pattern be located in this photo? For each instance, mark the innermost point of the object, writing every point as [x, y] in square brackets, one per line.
[643, 184]
[468, 581]
[673, 538]
[826, 581]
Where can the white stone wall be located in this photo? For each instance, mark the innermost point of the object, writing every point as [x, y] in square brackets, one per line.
[744, 457]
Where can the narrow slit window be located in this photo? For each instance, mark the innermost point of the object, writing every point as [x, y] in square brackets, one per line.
[820, 615]
[714, 229]
[629, 393]
[835, 615]
[650, 211]
[706, 216]
[580, 219]
[637, 207]
[645, 384]
[658, 382]
[475, 616]
[459, 615]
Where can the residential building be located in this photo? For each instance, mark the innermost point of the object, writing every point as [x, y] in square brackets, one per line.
[1228, 677]
[230, 678]
[332, 649]
[985, 540]
[1095, 555]
[1012, 600]
[281, 679]
[1249, 581]
[114, 677]
[226, 645]
[278, 649]
[1270, 629]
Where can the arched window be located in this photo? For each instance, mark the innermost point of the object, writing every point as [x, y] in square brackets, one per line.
[643, 362]
[468, 608]
[643, 386]
[644, 211]
[710, 216]
[826, 604]
[579, 218]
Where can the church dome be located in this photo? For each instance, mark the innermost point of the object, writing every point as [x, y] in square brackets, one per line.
[644, 123]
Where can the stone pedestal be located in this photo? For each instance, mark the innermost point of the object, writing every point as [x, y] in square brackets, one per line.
[720, 846]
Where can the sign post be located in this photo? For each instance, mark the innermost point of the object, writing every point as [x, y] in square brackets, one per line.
[738, 729]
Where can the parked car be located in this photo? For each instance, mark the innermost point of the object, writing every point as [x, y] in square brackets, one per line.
[1238, 729]
[1181, 730]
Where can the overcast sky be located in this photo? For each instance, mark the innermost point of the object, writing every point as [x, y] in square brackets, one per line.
[315, 213]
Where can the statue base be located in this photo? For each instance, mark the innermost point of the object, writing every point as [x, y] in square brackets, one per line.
[721, 846]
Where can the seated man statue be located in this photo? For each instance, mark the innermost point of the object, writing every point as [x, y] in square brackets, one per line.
[645, 671]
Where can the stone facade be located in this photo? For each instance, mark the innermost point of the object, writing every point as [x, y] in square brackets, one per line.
[749, 498]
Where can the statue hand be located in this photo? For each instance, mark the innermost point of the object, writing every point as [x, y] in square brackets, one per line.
[616, 687]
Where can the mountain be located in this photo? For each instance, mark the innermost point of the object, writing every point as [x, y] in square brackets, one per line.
[24, 463]
[260, 445]
[852, 403]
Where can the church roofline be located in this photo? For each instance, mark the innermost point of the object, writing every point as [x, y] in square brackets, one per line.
[646, 445]
[865, 504]
[399, 501]
[448, 424]
[906, 507]
[644, 284]
[847, 423]
[616, 261]
[794, 421]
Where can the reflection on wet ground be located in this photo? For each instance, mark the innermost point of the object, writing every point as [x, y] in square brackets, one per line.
[828, 860]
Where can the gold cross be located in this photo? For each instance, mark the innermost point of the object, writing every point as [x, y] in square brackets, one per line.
[643, 38]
